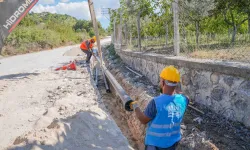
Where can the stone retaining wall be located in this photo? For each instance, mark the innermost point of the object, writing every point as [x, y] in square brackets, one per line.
[223, 87]
[141, 90]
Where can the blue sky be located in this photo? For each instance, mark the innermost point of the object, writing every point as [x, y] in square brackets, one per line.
[76, 8]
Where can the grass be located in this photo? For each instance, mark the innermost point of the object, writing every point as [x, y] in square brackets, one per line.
[234, 54]
[211, 47]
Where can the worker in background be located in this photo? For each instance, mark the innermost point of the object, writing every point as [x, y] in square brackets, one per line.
[164, 113]
[87, 47]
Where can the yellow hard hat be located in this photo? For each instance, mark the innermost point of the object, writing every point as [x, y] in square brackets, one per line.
[94, 38]
[171, 74]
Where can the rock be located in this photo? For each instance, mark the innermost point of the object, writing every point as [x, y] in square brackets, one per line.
[198, 120]
[42, 142]
[77, 83]
[185, 80]
[19, 140]
[229, 80]
[201, 82]
[215, 78]
[218, 93]
[62, 108]
[81, 93]
[245, 86]
[54, 125]
[183, 127]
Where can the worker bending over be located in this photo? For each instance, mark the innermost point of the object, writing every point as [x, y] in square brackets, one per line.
[87, 47]
[164, 113]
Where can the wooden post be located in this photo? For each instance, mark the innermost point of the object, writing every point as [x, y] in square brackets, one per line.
[176, 28]
[139, 29]
[93, 17]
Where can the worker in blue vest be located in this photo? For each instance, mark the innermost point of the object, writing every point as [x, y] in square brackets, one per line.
[164, 113]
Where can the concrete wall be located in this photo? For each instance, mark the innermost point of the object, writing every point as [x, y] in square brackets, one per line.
[221, 86]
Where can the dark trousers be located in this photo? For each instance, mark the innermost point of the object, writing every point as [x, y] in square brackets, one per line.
[148, 147]
[89, 54]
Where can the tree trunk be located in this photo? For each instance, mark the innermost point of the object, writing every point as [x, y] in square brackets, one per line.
[234, 34]
[139, 30]
[176, 27]
[166, 34]
[248, 23]
[130, 40]
[197, 23]
[184, 32]
[126, 34]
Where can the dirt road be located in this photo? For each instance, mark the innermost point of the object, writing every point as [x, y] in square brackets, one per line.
[44, 109]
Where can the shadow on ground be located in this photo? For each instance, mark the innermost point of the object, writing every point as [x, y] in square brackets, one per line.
[17, 76]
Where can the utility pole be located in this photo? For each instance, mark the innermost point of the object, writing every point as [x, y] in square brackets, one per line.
[93, 18]
[176, 28]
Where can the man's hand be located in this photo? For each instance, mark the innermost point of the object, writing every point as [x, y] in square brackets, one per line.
[133, 105]
[90, 50]
[140, 115]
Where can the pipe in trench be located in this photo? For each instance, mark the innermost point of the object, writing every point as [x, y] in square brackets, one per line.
[126, 100]
[96, 75]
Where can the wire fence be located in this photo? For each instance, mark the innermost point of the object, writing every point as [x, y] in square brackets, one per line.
[195, 41]
[211, 46]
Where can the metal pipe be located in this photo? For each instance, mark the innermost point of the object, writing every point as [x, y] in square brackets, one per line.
[134, 71]
[96, 75]
[95, 54]
[106, 83]
[126, 100]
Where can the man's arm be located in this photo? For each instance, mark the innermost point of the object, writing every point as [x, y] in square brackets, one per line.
[148, 115]
[141, 116]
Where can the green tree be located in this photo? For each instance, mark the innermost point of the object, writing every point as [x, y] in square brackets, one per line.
[234, 13]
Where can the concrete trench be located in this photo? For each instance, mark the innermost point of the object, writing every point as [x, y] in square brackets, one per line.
[199, 131]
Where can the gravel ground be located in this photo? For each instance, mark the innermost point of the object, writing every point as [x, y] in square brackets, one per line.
[44, 109]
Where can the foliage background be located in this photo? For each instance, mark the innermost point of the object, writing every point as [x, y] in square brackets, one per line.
[38, 31]
[217, 29]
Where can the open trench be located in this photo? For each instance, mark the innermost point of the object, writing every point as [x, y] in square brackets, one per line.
[207, 131]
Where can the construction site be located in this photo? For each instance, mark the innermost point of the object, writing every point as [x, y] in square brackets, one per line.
[55, 100]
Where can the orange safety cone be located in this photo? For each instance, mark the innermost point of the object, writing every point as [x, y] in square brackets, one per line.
[71, 66]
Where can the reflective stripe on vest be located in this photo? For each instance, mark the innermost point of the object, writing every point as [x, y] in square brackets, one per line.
[168, 134]
[164, 126]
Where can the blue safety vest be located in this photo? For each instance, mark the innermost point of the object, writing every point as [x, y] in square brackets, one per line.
[164, 130]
